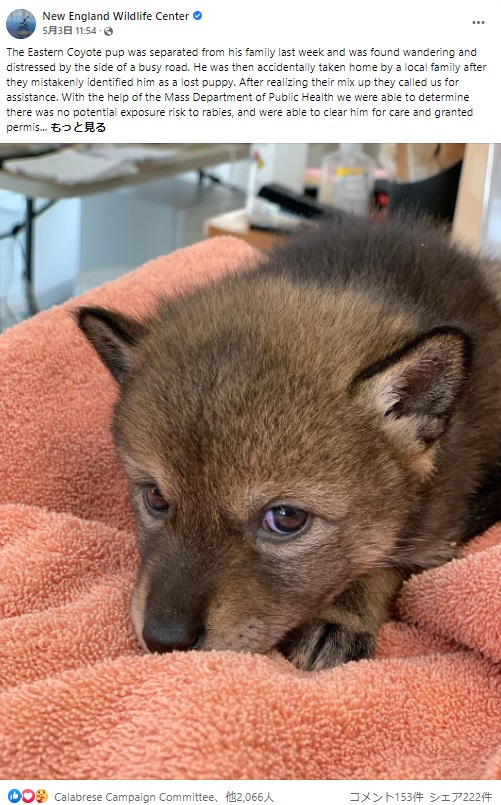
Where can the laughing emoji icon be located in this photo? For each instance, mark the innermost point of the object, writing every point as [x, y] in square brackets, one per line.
[42, 795]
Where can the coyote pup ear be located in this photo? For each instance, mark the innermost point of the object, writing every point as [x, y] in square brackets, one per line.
[415, 390]
[113, 336]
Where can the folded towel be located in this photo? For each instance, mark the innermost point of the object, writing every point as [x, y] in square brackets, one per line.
[80, 700]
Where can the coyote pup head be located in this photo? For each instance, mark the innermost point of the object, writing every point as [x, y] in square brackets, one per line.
[277, 440]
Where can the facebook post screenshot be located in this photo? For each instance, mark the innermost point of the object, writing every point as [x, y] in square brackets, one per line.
[250, 403]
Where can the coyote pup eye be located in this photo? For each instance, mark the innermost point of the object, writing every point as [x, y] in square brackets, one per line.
[154, 499]
[285, 520]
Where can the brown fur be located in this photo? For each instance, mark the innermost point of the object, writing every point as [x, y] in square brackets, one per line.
[356, 375]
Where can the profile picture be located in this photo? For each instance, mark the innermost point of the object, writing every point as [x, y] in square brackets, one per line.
[21, 23]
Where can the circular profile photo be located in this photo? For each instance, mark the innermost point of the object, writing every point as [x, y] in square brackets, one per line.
[21, 23]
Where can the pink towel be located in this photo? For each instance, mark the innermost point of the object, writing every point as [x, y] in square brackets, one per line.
[79, 699]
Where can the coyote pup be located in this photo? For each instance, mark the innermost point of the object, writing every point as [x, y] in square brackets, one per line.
[301, 437]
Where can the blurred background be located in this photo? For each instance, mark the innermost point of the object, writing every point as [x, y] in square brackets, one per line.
[74, 217]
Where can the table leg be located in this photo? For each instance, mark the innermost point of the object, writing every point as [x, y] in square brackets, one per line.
[28, 257]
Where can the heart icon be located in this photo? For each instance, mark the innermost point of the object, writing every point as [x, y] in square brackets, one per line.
[28, 795]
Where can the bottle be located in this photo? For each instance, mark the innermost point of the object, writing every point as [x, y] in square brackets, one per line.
[347, 179]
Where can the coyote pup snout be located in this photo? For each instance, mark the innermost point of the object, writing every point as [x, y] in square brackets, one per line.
[301, 437]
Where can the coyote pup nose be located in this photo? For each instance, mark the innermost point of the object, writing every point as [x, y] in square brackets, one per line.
[162, 635]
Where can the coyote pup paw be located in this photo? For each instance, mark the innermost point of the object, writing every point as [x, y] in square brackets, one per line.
[321, 645]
